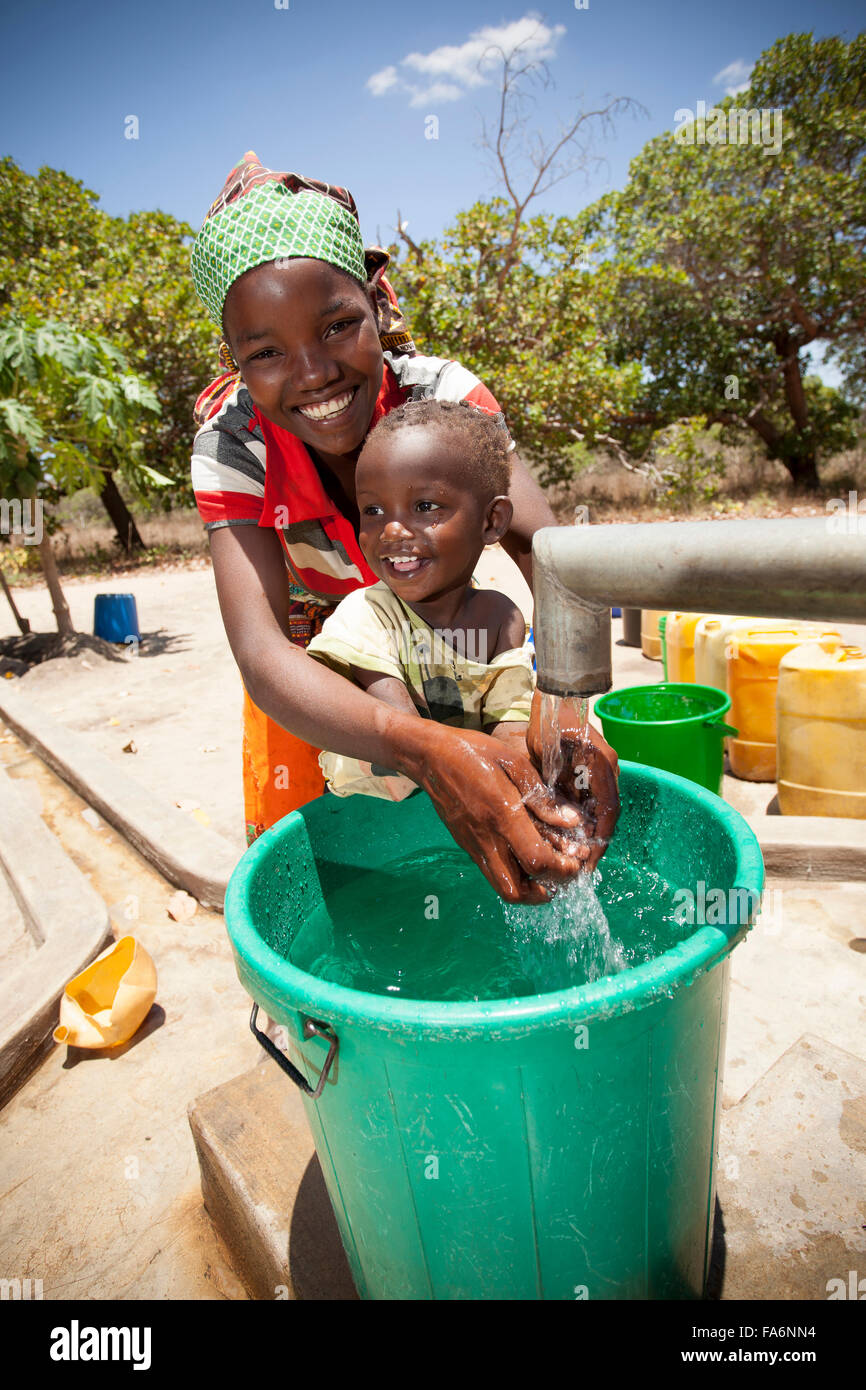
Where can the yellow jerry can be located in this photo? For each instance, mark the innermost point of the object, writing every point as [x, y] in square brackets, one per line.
[711, 634]
[680, 644]
[650, 637]
[110, 999]
[752, 655]
[821, 708]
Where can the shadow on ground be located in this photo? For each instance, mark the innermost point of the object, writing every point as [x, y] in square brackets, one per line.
[718, 1253]
[155, 1019]
[317, 1262]
[32, 648]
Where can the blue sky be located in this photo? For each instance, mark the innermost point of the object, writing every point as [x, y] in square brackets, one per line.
[292, 80]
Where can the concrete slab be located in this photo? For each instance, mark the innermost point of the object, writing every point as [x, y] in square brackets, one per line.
[188, 854]
[811, 846]
[264, 1191]
[792, 1177]
[179, 695]
[801, 969]
[67, 924]
[16, 939]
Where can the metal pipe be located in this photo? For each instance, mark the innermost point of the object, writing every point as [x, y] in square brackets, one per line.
[775, 569]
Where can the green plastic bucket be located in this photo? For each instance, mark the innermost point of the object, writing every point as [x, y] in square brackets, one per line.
[676, 727]
[553, 1146]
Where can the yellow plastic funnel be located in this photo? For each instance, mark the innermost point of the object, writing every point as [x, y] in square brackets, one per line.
[107, 1003]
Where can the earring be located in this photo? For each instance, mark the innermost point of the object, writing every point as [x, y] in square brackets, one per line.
[226, 358]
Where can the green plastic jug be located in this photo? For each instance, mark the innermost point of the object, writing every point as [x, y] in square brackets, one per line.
[554, 1146]
[671, 726]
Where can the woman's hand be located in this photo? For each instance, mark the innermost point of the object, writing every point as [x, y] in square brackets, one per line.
[484, 790]
[588, 776]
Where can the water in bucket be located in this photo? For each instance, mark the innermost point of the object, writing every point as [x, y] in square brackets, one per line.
[429, 926]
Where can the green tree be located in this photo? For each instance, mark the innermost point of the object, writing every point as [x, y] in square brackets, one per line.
[736, 245]
[521, 309]
[63, 394]
[127, 280]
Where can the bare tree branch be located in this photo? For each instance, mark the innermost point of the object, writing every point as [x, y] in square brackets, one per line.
[644, 467]
[400, 229]
[546, 163]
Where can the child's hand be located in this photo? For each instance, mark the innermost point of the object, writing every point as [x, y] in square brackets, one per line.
[491, 798]
[588, 777]
[510, 731]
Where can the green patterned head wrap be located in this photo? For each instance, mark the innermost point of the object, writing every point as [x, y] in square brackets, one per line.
[268, 223]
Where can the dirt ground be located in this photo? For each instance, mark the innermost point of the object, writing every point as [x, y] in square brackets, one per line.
[179, 698]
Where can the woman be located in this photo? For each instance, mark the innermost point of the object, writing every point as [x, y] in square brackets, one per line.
[319, 354]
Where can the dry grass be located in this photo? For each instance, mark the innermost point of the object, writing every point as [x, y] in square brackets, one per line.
[753, 486]
[174, 531]
[89, 547]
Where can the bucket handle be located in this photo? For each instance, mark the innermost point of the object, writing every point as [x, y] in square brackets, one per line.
[311, 1028]
[721, 727]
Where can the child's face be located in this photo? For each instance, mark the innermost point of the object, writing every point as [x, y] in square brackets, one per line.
[305, 338]
[421, 529]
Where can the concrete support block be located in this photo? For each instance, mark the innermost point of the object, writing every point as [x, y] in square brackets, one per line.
[263, 1188]
[812, 846]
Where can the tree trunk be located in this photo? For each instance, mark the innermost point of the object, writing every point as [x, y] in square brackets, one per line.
[52, 579]
[23, 623]
[802, 467]
[120, 515]
[793, 378]
[764, 429]
[804, 471]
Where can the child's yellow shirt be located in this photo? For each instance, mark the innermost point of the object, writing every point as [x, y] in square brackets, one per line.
[446, 673]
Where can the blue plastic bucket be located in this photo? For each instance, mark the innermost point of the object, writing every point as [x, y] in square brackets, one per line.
[115, 617]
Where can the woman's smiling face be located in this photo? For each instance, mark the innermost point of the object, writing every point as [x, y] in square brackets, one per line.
[305, 338]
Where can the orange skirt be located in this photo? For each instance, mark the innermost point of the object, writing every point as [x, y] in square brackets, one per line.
[281, 772]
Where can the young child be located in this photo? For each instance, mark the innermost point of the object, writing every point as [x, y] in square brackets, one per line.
[432, 491]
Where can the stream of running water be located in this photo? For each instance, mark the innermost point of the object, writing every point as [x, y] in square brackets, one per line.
[574, 927]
